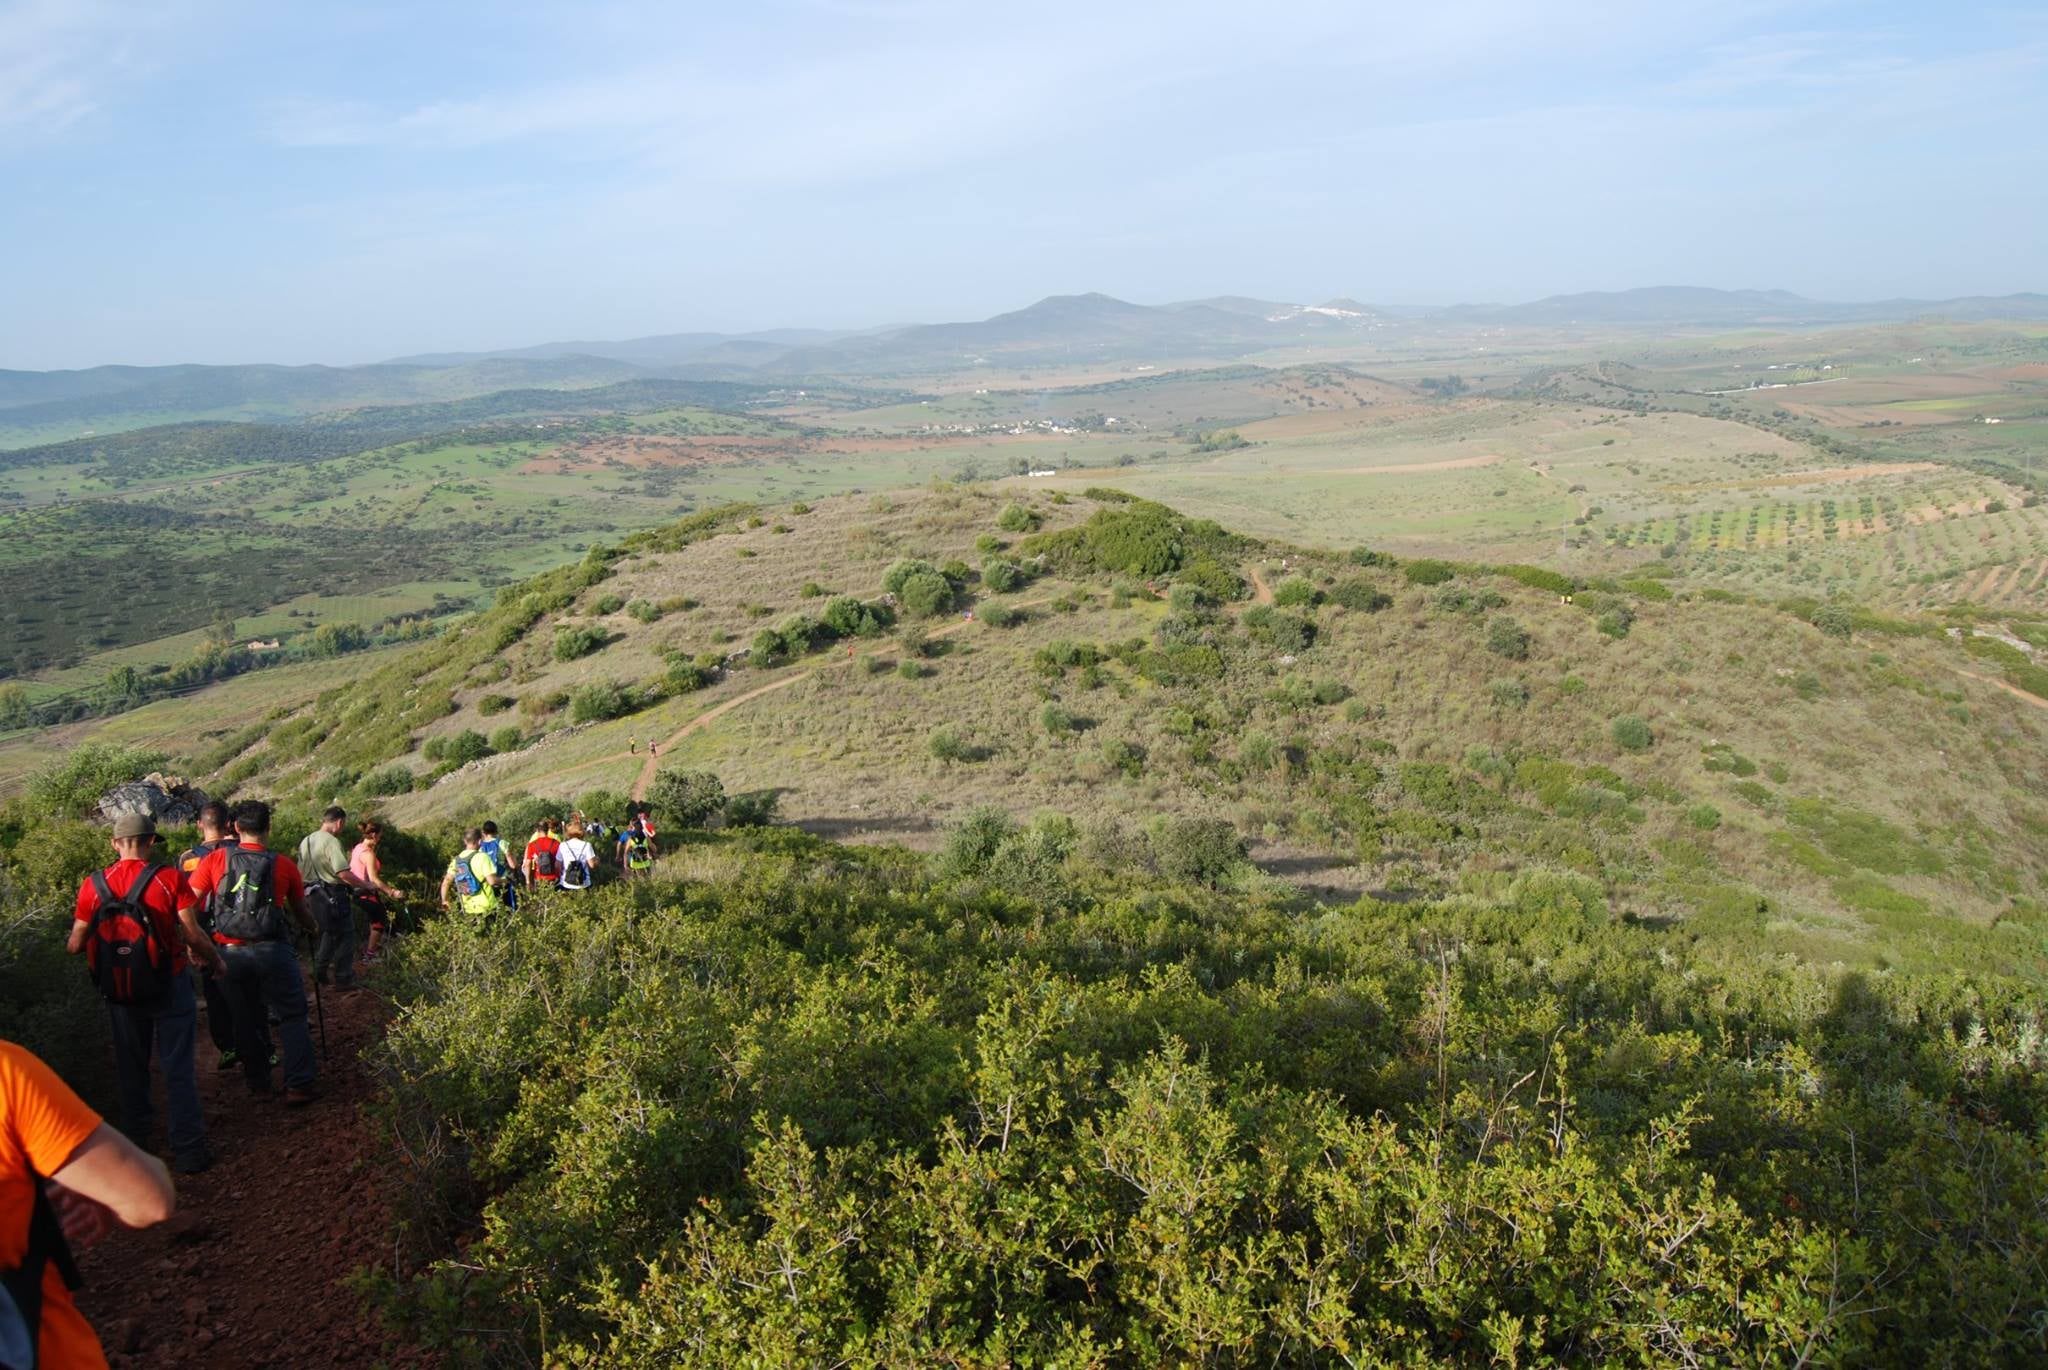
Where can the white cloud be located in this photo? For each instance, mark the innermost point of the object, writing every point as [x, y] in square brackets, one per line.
[60, 60]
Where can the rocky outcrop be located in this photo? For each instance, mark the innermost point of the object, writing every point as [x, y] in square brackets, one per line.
[166, 798]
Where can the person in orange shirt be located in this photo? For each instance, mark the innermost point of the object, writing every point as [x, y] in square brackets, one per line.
[65, 1179]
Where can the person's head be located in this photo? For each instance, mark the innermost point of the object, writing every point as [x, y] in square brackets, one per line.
[213, 820]
[575, 830]
[490, 829]
[372, 831]
[554, 827]
[334, 818]
[252, 820]
[134, 835]
[474, 837]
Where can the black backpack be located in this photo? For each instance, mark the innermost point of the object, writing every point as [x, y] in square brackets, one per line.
[245, 903]
[130, 961]
[21, 1289]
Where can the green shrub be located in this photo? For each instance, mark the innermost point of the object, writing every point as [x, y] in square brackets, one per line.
[753, 809]
[464, 747]
[598, 702]
[1360, 594]
[1505, 637]
[1365, 556]
[1834, 620]
[766, 650]
[1509, 694]
[396, 778]
[611, 604]
[925, 594]
[1427, 571]
[1001, 615]
[71, 787]
[947, 744]
[643, 610]
[689, 799]
[494, 704]
[539, 703]
[1002, 576]
[507, 739]
[910, 668]
[1297, 592]
[1196, 851]
[1123, 756]
[579, 640]
[1705, 817]
[1055, 719]
[1631, 733]
[1015, 518]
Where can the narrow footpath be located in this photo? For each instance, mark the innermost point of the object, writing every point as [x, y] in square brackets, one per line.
[252, 1270]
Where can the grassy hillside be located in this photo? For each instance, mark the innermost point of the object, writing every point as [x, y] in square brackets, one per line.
[1857, 789]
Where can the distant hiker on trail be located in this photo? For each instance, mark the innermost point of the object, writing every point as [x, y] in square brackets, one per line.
[493, 847]
[220, 1015]
[632, 746]
[259, 898]
[372, 893]
[579, 859]
[330, 892]
[139, 942]
[96, 1177]
[474, 876]
[543, 856]
[636, 850]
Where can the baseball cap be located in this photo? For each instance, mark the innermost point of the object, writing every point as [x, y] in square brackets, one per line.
[134, 825]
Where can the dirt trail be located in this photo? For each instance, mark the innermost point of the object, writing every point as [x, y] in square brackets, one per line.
[2012, 690]
[1262, 593]
[251, 1269]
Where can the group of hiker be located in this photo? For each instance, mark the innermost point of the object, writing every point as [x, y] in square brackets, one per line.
[559, 855]
[215, 925]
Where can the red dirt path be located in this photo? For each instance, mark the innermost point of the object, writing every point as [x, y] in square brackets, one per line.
[250, 1270]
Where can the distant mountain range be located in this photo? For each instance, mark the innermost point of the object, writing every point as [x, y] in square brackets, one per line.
[1060, 330]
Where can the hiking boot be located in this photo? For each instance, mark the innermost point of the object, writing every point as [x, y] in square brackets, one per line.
[320, 977]
[228, 1061]
[273, 1060]
[294, 1097]
[197, 1163]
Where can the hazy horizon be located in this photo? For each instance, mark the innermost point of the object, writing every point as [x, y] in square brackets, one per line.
[209, 181]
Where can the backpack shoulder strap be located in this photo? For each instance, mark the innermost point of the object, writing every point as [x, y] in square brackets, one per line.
[106, 893]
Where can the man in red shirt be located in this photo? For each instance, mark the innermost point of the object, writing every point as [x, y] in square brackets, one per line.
[169, 1015]
[258, 897]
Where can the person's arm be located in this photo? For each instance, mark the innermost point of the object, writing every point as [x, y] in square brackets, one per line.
[447, 883]
[111, 1170]
[81, 918]
[377, 879]
[202, 947]
[75, 943]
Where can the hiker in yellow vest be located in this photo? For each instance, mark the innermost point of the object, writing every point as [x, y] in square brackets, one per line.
[474, 876]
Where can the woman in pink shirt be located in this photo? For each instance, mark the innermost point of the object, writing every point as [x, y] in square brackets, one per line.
[371, 889]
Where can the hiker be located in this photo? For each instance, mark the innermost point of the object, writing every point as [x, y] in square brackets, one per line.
[220, 1015]
[474, 876]
[543, 857]
[636, 850]
[138, 942]
[493, 847]
[261, 897]
[632, 746]
[578, 858]
[330, 893]
[95, 1177]
[372, 893]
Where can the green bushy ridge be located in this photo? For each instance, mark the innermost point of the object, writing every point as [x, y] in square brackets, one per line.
[818, 1105]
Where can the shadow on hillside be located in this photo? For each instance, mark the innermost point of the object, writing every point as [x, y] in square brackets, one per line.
[843, 829]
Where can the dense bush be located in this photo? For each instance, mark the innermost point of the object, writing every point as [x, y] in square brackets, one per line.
[1297, 592]
[598, 701]
[488, 705]
[1631, 733]
[1001, 616]
[925, 594]
[459, 749]
[1199, 851]
[71, 787]
[396, 778]
[507, 739]
[578, 640]
[1015, 518]
[823, 1110]
[1427, 571]
[1505, 637]
[688, 799]
[1002, 576]
[1360, 594]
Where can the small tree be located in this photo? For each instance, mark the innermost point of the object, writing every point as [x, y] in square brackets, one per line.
[688, 798]
[1834, 620]
[926, 594]
[507, 739]
[1015, 518]
[466, 746]
[598, 701]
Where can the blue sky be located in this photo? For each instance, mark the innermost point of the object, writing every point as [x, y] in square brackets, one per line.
[208, 180]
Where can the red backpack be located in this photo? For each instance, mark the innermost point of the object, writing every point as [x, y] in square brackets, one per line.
[130, 961]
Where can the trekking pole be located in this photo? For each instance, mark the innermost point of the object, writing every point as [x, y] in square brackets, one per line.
[320, 1016]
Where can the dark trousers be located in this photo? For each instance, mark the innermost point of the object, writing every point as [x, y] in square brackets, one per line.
[334, 910]
[264, 979]
[220, 1016]
[167, 1025]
